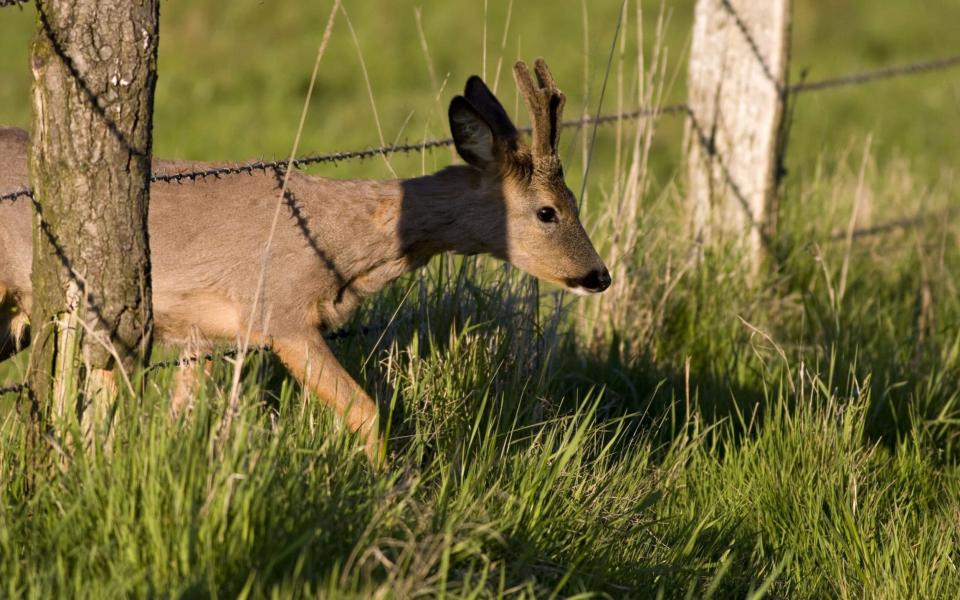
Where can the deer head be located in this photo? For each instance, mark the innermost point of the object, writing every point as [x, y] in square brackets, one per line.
[544, 235]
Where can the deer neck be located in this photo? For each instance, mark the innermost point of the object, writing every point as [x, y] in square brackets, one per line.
[397, 226]
[458, 209]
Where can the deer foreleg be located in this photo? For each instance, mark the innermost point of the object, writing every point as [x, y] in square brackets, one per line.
[312, 362]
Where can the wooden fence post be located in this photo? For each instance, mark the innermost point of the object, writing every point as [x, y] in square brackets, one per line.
[94, 65]
[738, 62]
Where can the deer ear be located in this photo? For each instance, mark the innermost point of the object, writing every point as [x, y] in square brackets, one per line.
[472, 135]
[479, 95]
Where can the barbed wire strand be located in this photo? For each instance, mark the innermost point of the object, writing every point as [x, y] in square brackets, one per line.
[918, 220]
[852, 79]
[680, 108]
[336, 335]
[849, 80]
[865, 77]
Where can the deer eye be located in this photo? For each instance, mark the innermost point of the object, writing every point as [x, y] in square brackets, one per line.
[547, 214]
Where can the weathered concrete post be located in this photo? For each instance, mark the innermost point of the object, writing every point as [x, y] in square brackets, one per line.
[738, 62]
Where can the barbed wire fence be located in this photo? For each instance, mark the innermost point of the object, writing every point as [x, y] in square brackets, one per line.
[854, 79]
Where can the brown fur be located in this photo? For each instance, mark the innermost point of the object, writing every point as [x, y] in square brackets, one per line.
[338, 241]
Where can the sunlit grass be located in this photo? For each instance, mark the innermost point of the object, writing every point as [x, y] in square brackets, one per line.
[687, 434]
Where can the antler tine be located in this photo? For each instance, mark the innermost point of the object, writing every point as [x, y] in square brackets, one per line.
[557, 99]
[545, 103]
[544, 77]
[527, 89]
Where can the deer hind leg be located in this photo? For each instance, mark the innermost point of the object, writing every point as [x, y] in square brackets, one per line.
[311, 361]
[189, 376]
[8, 347]
[186, 381]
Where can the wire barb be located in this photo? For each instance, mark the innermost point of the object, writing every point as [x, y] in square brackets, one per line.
[24, 192]
[14, 388]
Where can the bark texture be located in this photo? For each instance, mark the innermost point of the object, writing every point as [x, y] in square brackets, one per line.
[94, 65]
[738, 62]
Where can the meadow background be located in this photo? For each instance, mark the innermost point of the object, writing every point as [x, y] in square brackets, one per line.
[684, 434]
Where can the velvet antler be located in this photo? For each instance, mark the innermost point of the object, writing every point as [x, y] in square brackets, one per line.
[545, 103]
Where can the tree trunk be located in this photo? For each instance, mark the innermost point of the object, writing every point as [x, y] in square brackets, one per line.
[738, 62]
[94, 66]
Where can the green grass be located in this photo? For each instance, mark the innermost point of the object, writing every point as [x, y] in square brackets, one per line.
[685, 434]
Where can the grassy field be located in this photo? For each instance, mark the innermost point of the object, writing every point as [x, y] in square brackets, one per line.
[682, 435]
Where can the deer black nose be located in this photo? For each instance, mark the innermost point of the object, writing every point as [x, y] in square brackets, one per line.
[597, 281]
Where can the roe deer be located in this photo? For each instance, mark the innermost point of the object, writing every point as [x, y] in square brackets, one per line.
[341, 240]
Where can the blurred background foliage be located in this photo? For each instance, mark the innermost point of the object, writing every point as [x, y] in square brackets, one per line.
[233, 74]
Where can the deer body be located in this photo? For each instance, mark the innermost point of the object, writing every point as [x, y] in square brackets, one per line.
[337, 242]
